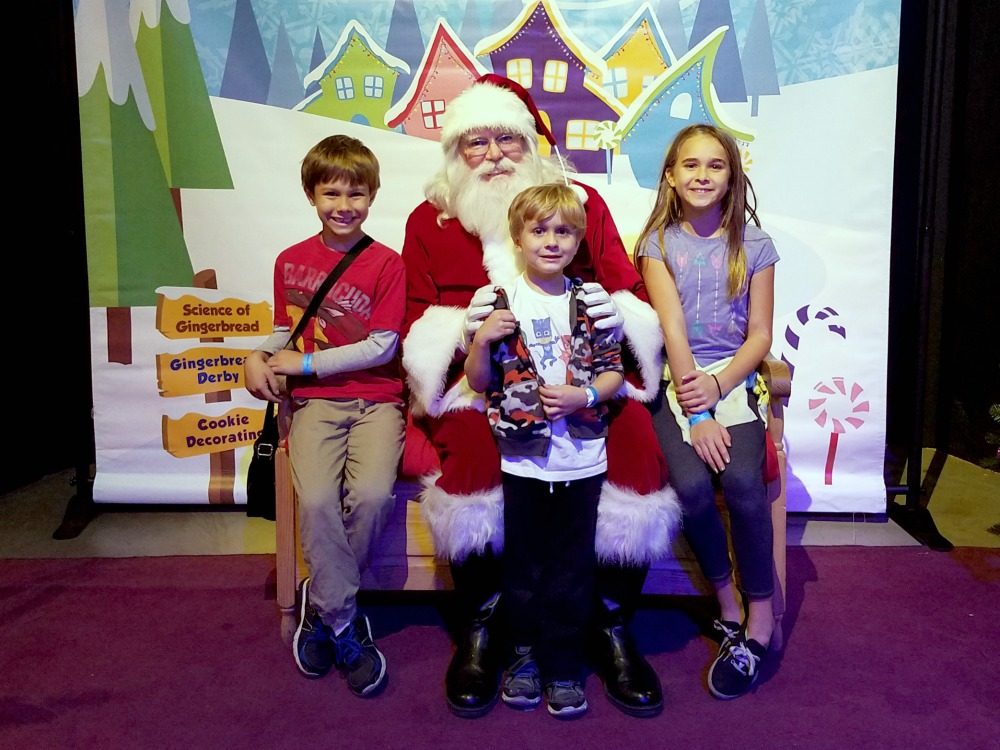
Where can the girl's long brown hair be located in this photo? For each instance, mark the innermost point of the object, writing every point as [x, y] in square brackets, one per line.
[737, 210]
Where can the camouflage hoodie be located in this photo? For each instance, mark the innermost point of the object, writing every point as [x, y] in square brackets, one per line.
[513, 406]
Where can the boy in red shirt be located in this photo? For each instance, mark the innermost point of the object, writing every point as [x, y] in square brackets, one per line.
[344, 379]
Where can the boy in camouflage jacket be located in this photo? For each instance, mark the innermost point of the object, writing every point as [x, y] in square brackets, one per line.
[548, 414]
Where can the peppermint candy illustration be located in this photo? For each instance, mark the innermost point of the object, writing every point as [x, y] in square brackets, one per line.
[793, 332]
[837, 408]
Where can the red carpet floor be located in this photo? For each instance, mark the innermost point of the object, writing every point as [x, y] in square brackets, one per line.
[886, 648]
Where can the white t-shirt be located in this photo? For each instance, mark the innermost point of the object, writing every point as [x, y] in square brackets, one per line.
[545, 324]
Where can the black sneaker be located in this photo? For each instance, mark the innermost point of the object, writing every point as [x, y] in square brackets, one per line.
[311, 646]
[357, 657]
[737, 666]
[522, 684]
[565, 699]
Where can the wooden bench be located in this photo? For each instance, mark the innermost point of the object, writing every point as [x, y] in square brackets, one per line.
[406, 558]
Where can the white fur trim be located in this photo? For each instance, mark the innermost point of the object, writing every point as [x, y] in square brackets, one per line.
[462, 524]
[635, 529]
[644, 338]
[485, 105]
[500, 261]
[580, 193]
[428, 352]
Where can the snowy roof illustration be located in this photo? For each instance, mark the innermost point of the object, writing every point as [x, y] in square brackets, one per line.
[446, 69]
[697, 62]
[351, 30]
[563, 36]
[634, 26]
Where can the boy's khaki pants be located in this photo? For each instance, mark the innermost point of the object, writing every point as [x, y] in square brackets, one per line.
[344, 456]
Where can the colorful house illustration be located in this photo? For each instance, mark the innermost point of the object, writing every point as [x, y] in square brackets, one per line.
[356, 80]
[679, 97]
[635, 56]
[447, 69]
[539, 51]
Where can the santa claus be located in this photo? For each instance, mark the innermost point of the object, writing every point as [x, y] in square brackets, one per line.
[456, 249]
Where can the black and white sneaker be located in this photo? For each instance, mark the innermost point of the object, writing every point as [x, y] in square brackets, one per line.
[359, 659]
[311, 646]
[522, 683]
[565, 699]
[737, 666]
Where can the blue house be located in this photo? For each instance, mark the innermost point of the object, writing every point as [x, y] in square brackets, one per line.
[679, 97]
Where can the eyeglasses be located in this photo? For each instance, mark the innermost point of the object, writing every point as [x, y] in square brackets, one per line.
[478, 145]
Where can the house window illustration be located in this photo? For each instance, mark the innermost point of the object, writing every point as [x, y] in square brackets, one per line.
[373, 87]
[581, 135]
[554, 78]
[431, 111]
[345, 87]
[616, 82]
[519, 71]
[680, 107]
[647, 81]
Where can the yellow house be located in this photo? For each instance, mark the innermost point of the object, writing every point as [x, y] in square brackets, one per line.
[635, 56]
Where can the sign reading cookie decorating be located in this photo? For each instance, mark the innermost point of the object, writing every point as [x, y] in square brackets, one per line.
[200, 370]
[194, 434]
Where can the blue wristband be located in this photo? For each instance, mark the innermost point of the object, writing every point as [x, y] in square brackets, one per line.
[697, 417]
[592, 395]
[307, 364]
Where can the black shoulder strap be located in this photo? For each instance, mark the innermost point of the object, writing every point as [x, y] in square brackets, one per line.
[335, 274]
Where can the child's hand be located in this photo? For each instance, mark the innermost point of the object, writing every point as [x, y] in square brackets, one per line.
[561, 400]
[260, 379]
[711, 442]
[499, 324]
[286, 362]
[697, 391]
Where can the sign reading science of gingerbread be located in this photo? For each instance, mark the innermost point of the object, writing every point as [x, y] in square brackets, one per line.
[195, 434]
[187, 316]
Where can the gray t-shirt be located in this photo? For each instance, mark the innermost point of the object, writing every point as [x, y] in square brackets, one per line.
[716, 325]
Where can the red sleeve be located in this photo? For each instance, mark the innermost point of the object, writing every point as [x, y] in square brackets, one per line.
[421, 291]
[281, 317]
[611, 265]
[390, 295]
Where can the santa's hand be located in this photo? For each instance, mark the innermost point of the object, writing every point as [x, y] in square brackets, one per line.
[602, 309]
[479, 309]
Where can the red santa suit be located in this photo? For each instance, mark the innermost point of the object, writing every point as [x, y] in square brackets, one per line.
[445, 265]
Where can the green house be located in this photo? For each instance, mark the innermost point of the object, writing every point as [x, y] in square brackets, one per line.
[356, 80]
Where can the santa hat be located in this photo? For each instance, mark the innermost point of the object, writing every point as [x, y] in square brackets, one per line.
[493, 102]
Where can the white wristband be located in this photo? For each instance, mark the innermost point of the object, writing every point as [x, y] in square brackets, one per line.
[591, 395]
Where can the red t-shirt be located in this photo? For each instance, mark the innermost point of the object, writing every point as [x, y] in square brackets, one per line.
[370, 295]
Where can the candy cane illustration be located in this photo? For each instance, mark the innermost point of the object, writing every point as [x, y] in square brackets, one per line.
[793, 332]
[835, 408]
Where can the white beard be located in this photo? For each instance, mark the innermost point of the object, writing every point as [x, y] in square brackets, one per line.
[481, 205]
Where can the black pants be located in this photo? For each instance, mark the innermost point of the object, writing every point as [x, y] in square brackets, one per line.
[549, 567]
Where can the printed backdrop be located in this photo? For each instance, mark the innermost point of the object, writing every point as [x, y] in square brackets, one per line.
[195, 114]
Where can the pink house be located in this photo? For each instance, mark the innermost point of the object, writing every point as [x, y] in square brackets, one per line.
[447, 69]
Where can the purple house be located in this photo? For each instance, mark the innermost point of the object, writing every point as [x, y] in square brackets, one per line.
[540, 52]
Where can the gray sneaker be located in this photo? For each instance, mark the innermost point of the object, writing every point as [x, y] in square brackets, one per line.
[522, 685]
[358, 658]
[565, 698]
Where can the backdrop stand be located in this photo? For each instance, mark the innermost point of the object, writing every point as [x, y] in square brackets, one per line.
[81, 508]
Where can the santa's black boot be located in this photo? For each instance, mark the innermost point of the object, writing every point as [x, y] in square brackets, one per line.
[629, 680]
[472, 683]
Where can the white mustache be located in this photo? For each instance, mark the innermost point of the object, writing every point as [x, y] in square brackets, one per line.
[504, 165]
